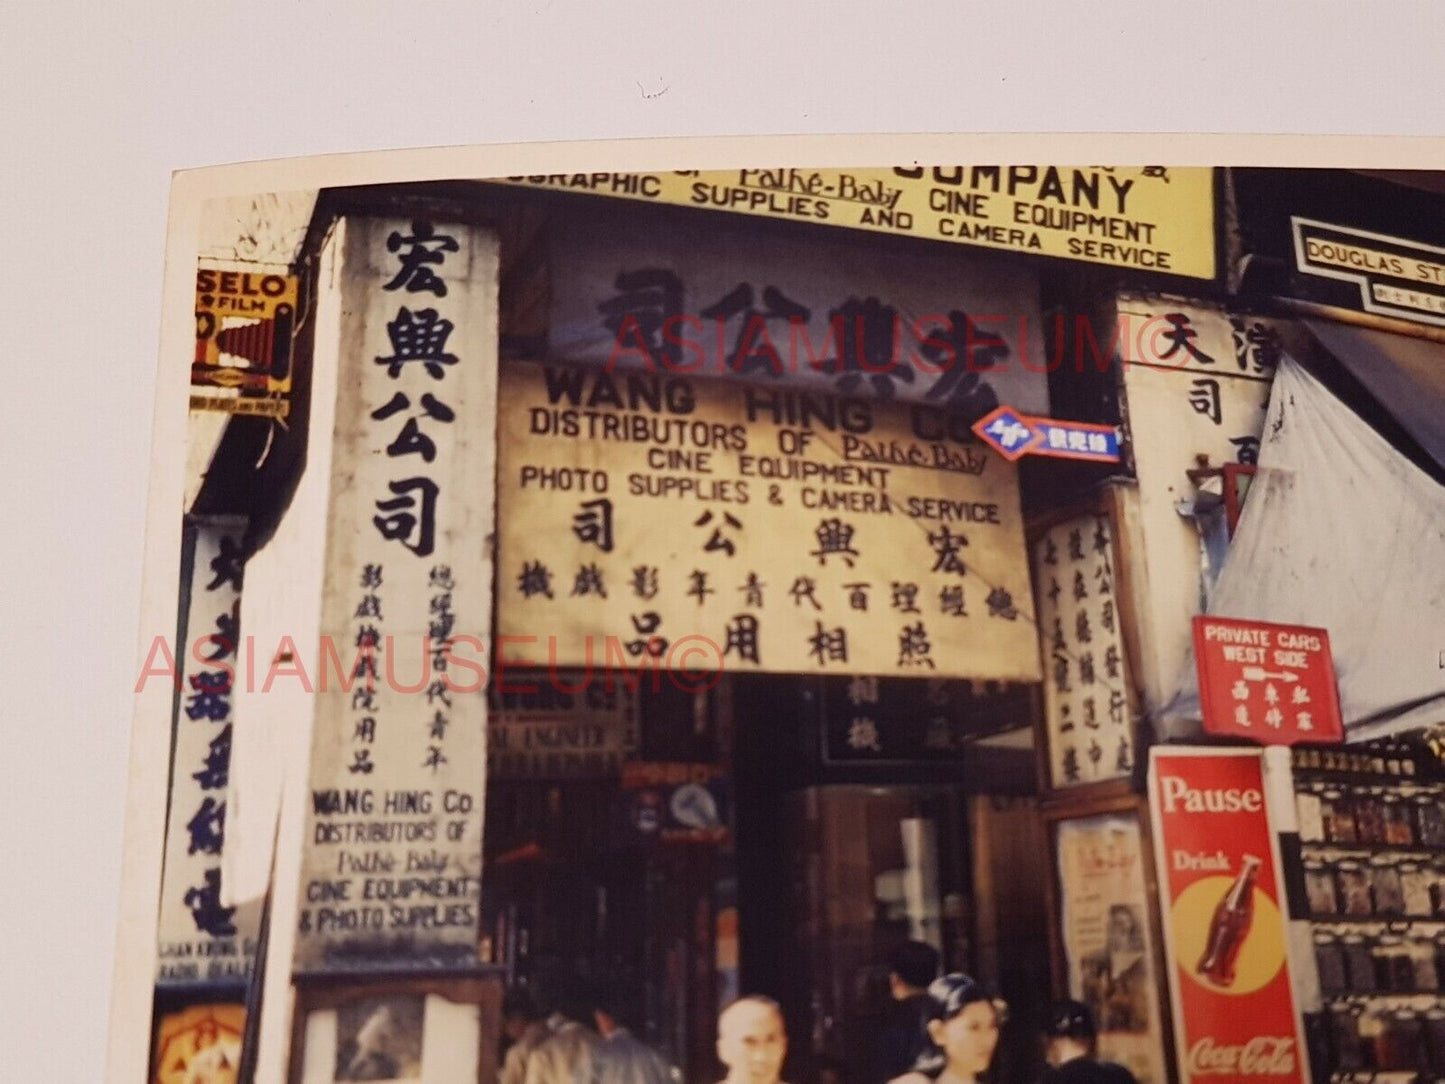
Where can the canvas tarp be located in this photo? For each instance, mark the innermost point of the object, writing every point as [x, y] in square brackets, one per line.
[1340, 531]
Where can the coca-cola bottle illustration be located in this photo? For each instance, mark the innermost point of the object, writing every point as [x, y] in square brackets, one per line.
[1232, 918]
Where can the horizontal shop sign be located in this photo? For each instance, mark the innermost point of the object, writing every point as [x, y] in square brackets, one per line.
[868, 720]
[1147, 218]
[710, 526]
[1394, 277]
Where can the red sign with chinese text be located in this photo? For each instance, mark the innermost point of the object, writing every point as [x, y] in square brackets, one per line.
[1273, 684]
[1224, 921]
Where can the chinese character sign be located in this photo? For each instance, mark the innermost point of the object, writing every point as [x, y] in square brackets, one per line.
[393, 862]
[1086, 681]
[692, 524]
[895, 720]
[1273, 684]
[834, 313]
[1196, 384]
[201, 941]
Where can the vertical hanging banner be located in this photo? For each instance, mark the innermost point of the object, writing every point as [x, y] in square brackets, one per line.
[1196, 384]
[1218, 864]
[199, 940]
[391, 874]
[1086, 698]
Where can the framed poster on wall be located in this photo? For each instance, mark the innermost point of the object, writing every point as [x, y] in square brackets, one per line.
[399, 1030]
[1106, 937]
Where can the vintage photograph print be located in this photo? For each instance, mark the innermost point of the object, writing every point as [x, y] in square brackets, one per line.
[827, 624]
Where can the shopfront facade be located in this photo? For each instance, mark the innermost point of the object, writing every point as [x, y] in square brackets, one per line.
[784, 665]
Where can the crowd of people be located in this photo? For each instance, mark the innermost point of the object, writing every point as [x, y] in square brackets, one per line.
[944, 1030]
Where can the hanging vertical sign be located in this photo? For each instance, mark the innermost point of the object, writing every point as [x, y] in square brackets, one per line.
[1196, 384]
[391, 874]
[199, 940]
[1086, 691]
[1218, 863]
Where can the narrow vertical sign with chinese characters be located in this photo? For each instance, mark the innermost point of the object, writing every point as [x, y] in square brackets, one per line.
[1086, 691]
[200, 940]
[1196, 383]
[391, 874]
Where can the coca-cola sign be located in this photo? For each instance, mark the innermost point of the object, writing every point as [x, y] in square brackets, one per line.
[1224, 926]
[1264, 1055]
[1176, 794]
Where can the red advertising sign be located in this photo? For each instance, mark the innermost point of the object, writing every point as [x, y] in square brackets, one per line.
[1274, 684]
[1224, 921]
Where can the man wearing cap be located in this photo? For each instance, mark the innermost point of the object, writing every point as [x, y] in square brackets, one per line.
[1072, 1049]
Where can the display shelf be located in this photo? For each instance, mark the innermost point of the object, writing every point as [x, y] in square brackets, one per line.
[1435, 997]
[1384, 1076]
[1376, 920]
[1347, 781]
[1414, 850]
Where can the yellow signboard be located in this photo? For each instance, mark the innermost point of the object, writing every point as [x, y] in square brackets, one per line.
[1149, 218]
[693, 525]
[244, 323]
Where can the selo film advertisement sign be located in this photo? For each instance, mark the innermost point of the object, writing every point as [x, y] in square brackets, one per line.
[245, 319]
[1224, 927]
[1273, 684]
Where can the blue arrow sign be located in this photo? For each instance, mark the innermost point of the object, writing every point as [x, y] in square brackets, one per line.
[1014, 435]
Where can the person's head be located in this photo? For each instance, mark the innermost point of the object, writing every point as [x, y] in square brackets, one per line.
[962, 1024]
[752, 1040]
[1070, 1032]
[1124, 934]
[518, 1011]
[608, 1011]
[913, 966]
[573, 998]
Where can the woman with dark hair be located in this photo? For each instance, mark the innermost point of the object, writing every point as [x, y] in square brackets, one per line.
[962, 1027]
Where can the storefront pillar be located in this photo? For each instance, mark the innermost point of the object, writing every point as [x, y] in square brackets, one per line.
[361, 742]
